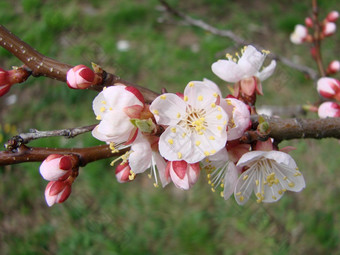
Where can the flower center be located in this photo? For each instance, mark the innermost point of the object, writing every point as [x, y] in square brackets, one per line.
[194, 120]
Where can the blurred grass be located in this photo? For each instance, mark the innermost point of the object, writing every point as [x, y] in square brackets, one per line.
[104, 217]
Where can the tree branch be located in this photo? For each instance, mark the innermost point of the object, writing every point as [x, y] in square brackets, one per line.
[34, 134]
[41, 65]
[238, 40]
[27, 154]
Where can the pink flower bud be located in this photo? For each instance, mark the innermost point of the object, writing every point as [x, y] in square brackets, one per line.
[183, 175]
[333, 67]
[57, 192]
[309, 22]
[328, 28]
[4, 83]
[123, 171]
[332, 16]
[329, 87]
[57, 167]
[329, 109]
[299, 35]
[80, 77]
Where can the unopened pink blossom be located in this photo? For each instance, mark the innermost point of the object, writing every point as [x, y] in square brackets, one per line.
[332, 16]
[57, 192]
[329, 110]
[328, 28]
[57, 167]
[4, 83]
[309, 22]
[123, 171]
[329, 87]
[80, 77]
[183, 174]
[333, 67]
[299, 35]
[115, 107]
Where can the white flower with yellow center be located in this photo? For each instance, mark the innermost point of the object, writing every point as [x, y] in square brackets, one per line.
[196, 123]
[270, 174]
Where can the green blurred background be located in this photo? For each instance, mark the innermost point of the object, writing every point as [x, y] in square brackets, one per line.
[105, 217]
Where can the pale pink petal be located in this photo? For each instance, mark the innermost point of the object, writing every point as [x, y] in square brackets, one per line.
[230, 180]
[251, 61]
[140, 158]
[228, 70]
[199, 95]
[267, 71]
[168, 109]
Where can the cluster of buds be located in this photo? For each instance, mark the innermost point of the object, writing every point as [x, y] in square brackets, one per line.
[327, 28]
[180, 135]
[60, 171]
[329, 88]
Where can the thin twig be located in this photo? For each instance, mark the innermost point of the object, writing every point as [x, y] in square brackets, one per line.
[238, 40]
[34, 134]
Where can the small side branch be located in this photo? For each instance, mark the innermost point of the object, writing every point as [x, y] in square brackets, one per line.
[34, 134]
[238, 40]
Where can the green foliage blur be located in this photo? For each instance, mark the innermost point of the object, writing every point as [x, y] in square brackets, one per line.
[105, 217]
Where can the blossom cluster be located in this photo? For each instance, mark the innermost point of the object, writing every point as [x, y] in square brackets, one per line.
[180, 136]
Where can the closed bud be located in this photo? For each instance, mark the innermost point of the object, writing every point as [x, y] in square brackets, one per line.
[80, 77]
[183, 174]
[57, 192]
[328, 28]
[329, 88]
[123, 171]
[332, 16]
[4, 84]
[309, 22]
[57, 167]
[333, 67]
[329, 109]
[299, 35]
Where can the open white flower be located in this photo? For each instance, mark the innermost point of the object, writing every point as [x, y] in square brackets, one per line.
[244, 67]
[114, 107]
[270, 174]
[196, 123]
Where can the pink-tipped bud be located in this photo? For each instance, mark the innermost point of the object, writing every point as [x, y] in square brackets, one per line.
[57, 192]
[4, 83]
[183, 174]
[329, 87]
[123, 171]
[309, 22]
[80, 77]
[57, 167]
[328, 28]
[332, 16]
[299, 35]
[333, 67]
[329, 109]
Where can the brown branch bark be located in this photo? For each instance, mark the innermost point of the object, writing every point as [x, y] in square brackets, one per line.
[238, 40]
[41, 65]
[27, 154]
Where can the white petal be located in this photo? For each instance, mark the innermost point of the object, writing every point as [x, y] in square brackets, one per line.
[168, 109]
[118, 97]
[230, 180]
[140, 158]
[267, 71]
[244, 186]
[98, 103]
[251, 61]
[228, 70]
[161, 166]
[179, 183]
[250, 157]
[200, 95]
